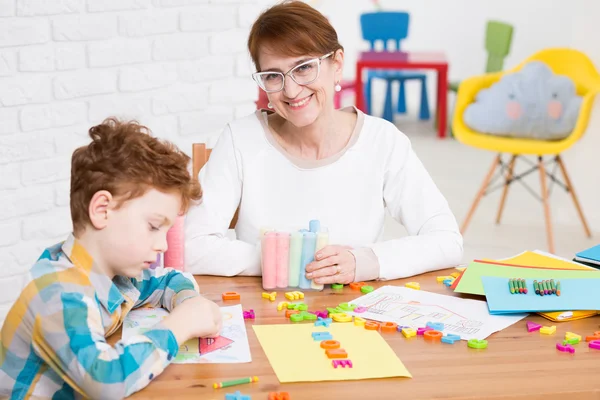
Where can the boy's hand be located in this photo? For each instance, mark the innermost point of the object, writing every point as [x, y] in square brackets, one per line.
[195, 317]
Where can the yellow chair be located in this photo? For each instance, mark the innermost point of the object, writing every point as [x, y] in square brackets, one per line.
[568, 62]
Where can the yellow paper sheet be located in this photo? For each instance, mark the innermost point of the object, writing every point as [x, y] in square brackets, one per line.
[296, 357]
[531, 259]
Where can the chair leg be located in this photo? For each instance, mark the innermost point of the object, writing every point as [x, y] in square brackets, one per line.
[507, 183]
[367, 95]
[573, 195]
[388, 111]
[480, 194]
[424, 114]
[546, 203]
[402, 98]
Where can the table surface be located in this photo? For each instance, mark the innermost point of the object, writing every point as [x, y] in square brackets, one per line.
[516, 364]
[412, 57]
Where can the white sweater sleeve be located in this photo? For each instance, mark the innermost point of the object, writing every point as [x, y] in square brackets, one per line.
[207, 249]
[434, 240]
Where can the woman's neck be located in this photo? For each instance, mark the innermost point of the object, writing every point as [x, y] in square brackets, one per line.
[327, 136]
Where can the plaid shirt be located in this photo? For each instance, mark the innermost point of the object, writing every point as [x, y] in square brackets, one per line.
[53, 340]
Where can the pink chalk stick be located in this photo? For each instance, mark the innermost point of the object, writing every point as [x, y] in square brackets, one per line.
[282, 259]
[174, 256]
[269, 260]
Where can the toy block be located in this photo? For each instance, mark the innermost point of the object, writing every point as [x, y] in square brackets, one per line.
[477, 344]
[281, 305]
[421, 331]
[237, 396]
[571, 341]
[565, 348]
[595, 336]
[279, 396]
[341, 363]
[372, 326]
[448, 282]
[441, 279]
[230, 296]
[330, 344]
[322, 314]
[270, 296]
[360, 309]
[358, 321]
[433, 336]
[532, 327]
[438, 326]
[323, 322]
[336, 353]
[249, 314]
[409, 332]
[366, 289]
[288, 313]
[357, 285]
[337, 286]
[413, 285]
[450, 339]
[571, 335]
[388, 327]
[302, 316]
[595, 344]
[455, 274]
[318, 336]
[336, 310]
[548, 330]
[347, 307]
[298, 295]
[341, 317]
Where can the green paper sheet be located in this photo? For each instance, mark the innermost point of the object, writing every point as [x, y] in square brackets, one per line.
[470, 281]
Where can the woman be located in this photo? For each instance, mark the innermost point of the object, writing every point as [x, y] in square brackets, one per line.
[303, 160]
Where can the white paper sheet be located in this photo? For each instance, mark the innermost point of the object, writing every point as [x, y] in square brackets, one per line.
[231, 347]
[414, 308]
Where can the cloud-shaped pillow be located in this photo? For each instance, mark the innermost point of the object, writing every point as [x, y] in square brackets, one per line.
[530, 103]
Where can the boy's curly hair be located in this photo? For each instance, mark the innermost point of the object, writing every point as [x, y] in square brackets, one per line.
[124, 159]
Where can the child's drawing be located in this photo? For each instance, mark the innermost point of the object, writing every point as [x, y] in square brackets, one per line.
[230, 347]
[408, 307]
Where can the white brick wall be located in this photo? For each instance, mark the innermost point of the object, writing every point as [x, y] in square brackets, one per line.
[178, 66]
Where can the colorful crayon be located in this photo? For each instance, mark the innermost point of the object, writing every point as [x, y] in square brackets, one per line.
[251, 379]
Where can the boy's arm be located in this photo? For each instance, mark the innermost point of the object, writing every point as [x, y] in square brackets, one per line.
[68, 335]
[165, 287]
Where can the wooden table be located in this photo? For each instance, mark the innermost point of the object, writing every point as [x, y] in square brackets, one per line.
[516, 364]
[407, 60]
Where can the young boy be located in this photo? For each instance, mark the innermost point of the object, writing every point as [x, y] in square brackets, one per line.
[127, 188]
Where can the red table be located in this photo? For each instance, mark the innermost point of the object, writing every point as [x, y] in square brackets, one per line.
[407, 60]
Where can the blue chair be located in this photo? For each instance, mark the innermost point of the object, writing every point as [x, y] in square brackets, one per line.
[386, 27]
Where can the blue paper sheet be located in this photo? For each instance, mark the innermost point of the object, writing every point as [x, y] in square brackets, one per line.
[576, 294]
[592, 254]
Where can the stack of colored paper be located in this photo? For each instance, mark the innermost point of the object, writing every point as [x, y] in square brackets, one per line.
[490, 278]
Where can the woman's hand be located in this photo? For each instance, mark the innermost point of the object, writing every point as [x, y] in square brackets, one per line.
[333, 264]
